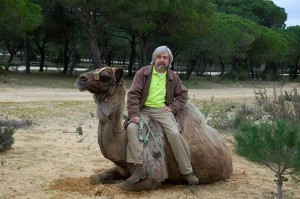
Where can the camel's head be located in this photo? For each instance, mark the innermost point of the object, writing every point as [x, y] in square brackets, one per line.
[101, 81]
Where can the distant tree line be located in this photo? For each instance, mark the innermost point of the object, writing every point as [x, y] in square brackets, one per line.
[233, 36]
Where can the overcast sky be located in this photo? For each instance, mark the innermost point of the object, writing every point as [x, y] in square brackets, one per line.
[292, 8]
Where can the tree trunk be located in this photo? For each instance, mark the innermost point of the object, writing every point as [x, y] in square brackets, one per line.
[89, 20]
[74, 55]
[132, 56]
[279, 187]
[26, 53]
[42, 53]
[96, 55]
[204, 66]
[274, 70]
[251, 69]
[266, 71]
[222, 67]
[270, 68]
[11, 56]
[192, 63]
[143, 60]
[236, 63]
[74, 58]
[296, 67]
[66, 57]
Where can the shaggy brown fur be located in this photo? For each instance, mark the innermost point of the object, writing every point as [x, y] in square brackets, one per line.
[211, 158]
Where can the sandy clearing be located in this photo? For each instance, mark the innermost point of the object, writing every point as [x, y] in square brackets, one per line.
[46, 162]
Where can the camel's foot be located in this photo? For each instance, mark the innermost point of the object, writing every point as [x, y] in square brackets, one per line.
[96, 179]
[110, 176]
[144, 185]
[104, 179]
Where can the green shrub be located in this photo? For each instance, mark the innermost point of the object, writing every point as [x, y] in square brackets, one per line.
[6, 138]
[275, 145]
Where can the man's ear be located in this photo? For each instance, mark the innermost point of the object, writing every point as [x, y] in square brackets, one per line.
[119, 74]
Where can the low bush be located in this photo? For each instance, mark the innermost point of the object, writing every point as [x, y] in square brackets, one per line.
[6, 138]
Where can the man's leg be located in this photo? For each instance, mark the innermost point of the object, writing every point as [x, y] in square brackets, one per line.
[134, 154]
[178, 145]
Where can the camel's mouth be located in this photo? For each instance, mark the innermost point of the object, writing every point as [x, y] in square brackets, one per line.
[82, 89]
[80, 86]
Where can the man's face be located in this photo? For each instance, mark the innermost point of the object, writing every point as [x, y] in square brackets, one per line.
[162, 60]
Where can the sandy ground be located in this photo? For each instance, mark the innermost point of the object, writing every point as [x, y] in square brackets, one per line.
[58, 94]
[47, 161]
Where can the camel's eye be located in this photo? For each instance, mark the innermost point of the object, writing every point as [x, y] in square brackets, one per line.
[105, 78]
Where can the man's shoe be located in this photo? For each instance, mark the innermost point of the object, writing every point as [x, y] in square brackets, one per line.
[138, 174]
[192, 179]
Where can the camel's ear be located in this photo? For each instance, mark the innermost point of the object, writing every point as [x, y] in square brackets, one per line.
[119, 73]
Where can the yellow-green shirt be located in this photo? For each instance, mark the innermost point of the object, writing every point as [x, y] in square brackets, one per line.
[157, 91]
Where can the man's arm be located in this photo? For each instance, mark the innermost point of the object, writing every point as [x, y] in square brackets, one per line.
[134, 96]
[180, 96]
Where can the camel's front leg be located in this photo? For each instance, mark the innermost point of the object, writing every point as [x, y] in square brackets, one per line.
[110, 176]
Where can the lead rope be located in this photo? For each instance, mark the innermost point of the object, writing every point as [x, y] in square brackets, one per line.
[145, 138]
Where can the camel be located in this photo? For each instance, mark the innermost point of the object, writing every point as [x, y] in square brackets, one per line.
[211, 158]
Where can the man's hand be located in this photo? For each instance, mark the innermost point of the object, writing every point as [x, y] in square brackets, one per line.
[166, 109]
[135, 120]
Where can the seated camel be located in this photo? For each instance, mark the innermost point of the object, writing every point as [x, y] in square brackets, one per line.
[211, 158]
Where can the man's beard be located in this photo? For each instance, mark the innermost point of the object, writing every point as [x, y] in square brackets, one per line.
[161, 67]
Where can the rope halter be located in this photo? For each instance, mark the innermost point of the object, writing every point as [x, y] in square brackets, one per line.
[97, 72]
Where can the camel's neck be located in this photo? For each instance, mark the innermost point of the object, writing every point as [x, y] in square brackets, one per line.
[111, 136]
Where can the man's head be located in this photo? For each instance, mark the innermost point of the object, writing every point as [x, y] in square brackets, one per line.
[162, 57]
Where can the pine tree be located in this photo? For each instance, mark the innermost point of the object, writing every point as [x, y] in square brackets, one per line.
[275, 145]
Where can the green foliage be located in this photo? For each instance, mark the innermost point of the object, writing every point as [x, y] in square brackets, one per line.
[230, 37]
[273, 144]
[269, 46]
[6, 138]
[24, 14]
[240, 32]
[264, 13]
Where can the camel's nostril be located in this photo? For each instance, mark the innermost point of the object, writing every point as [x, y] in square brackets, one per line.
[83, 78]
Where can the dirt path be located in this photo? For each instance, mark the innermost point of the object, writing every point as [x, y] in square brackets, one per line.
[48, 162]
[48, 94]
